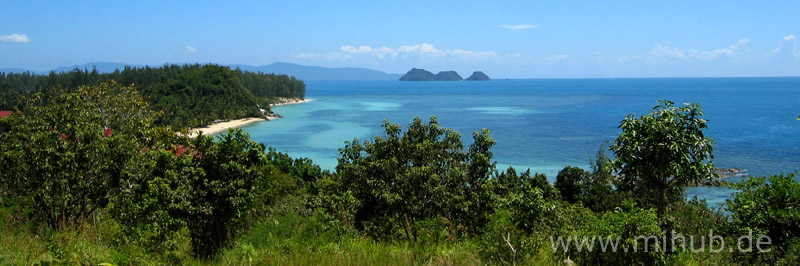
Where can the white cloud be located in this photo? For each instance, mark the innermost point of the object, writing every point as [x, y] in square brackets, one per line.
[14, 37]
[519, 27]
[787, 44]
[419, 48]
[304, 55]
[190, 49]
[332, 56]
[730, 51]
[661, 51]
[466, 53]
[556, 58]
[381, 53]
[423, 50]
[673, 52]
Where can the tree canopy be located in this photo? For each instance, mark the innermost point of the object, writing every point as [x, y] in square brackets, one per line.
[424, 173]
[662, 151]
[189, 95]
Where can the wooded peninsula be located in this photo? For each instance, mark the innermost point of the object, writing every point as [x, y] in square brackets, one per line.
[188, 95]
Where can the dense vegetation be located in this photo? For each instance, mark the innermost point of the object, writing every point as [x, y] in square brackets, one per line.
[189, 95]
[73, 192]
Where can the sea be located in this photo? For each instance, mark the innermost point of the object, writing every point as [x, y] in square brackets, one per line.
[547, 124]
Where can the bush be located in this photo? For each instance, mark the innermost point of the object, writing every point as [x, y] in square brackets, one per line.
[570, 182]
[60, 161]
[421, 174]
[768, 206]
[154, 199]
[638, 233]
[212, 189]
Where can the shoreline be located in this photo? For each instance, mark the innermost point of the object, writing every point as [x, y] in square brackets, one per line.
[288, 101]
[223, 126]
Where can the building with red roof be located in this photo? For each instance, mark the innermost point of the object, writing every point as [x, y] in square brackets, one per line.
[2, 115]
[5, 113]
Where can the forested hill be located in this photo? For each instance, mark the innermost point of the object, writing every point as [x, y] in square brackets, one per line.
[189, 95]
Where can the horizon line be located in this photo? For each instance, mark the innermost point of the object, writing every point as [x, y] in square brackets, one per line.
[389, 73]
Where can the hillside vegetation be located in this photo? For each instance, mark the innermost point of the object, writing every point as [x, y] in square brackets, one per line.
[74, 193]
[188, 95]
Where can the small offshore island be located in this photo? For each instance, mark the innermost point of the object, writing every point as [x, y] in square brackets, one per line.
[416, 74]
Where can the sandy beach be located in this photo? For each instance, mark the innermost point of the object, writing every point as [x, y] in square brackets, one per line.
[225, 125]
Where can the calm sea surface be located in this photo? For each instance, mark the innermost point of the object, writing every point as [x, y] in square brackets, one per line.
[546, 124]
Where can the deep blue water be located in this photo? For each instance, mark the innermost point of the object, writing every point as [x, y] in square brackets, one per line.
[546, 124]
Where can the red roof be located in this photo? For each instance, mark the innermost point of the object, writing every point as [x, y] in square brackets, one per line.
[181, 150]
[5, 113]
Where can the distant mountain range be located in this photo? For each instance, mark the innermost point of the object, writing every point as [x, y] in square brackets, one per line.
[320, 73]
[299, 71]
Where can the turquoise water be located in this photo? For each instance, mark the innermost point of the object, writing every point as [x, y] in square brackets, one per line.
[546, 124]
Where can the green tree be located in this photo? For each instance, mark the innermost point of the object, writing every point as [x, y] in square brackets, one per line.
[663, 151]
[571, 182]
[210, 187]
[60, 161]
[188, 95]
[401, 179]
[234, 170]
[155, 198]
[599, 194]
[768, 206]
[638, 234]
[528, 198]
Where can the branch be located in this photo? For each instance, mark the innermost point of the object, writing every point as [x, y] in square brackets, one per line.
[513, 250]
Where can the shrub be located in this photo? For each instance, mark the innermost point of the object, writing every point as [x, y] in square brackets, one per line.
[211, 189]
[408, 177]
[637, 232]
[571, 182]
[768, 206]
[60, 161]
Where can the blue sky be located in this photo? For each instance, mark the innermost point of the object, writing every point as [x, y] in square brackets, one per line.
[511, 39]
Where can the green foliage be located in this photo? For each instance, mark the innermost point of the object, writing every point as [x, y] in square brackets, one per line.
[593, 190]
[529, 199]
[398, 180]
[302, 168]
[599, 194]
[695, 218]
[662, 151]
[146, 196]
[504, 242]
[570, 183]
[154, 199]
[768, 206]
[60, 164]
[233, 172]
[210, 189]
[638, 232]
[188, 95]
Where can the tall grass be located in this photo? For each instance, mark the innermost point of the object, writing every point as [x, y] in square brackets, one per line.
[287, 236]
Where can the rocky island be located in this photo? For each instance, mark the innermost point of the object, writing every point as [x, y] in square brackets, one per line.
[416, 74]
[478, 76]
